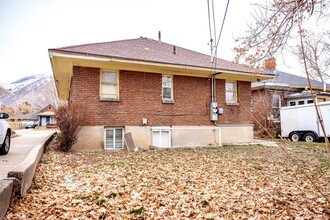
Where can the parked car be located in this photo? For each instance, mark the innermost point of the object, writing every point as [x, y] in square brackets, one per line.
[5, 134]
[29, 124]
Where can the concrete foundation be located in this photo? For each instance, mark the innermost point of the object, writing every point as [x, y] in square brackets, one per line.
[232, 134]
[195, 136]
[92, 138]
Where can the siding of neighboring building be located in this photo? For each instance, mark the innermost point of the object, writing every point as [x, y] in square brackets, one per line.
[264, 112]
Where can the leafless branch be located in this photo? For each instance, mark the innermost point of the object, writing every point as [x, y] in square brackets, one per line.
[275, 24]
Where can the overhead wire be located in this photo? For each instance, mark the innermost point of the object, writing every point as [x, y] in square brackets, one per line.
[220, 33]
[214, 25]
[214, 47]
[211, 48]
[210, 28]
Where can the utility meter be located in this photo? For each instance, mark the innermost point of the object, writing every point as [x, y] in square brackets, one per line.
[214, 111]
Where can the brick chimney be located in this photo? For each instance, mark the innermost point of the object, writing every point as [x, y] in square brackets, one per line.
[270, 64]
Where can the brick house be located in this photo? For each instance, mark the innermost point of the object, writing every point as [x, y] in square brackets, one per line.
[164, 95]
[268, 96]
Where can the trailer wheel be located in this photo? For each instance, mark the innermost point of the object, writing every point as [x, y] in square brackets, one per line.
[295, 136]
[309, 137]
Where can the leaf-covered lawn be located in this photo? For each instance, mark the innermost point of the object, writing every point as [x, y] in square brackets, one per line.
[250, 182]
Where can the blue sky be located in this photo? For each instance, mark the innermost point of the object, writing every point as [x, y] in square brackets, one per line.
[28, 28]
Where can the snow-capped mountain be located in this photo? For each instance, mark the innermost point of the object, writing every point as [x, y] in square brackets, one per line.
[23, 82]
[37, 90]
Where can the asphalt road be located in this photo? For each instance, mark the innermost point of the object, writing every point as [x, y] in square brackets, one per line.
[20, 147]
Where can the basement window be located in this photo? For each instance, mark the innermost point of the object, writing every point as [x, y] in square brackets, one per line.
[113, 138]
[167, 89]
[161, 137]
[109, 86]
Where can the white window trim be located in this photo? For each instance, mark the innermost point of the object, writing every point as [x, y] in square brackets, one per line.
[164, 129]
[168, 100]
[109, 97]
[105, 138]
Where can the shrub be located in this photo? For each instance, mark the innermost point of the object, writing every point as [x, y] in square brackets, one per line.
[70, 118]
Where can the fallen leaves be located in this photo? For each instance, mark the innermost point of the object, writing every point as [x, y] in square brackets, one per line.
[249, 182]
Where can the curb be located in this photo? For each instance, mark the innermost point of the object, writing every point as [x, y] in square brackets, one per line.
[20, 178]
[6, 189]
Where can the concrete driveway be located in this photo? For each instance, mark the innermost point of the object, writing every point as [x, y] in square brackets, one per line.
[20, 148]
[18, 166]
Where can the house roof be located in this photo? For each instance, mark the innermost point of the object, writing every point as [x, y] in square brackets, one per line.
[46, 108]
[284, 79]
[149, 50]
[147, 55]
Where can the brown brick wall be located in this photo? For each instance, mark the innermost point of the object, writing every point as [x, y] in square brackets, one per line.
[262, 107]
[140, 97]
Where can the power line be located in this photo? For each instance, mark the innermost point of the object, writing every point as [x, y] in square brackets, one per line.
[223, 22]
[213, 31]
[210, 28]
[214, 26]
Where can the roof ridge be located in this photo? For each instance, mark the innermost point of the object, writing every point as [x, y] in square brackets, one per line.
[95, 43]
[131, 49]
[303, 77]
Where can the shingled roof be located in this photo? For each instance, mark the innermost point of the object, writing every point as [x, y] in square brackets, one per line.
[283, 78]
[144, 55]
[149, 50]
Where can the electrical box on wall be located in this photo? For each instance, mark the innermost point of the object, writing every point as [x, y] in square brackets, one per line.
[144, 121]
[214, 111]
[220, 111]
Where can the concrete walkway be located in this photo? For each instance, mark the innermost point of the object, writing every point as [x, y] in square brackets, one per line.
[20, 148]
[18, 166]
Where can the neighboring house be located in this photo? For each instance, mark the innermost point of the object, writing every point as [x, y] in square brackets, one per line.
[268, 96]
[160, 93]
[21, 121]
[46, 116]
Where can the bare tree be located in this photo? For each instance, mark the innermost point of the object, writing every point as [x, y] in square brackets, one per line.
[25, 108]
[70, 118]
[275, 23]
[317, 54]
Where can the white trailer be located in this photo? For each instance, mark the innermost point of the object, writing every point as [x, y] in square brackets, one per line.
[300, 122]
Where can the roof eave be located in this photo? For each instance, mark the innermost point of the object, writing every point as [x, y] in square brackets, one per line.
[63, 72]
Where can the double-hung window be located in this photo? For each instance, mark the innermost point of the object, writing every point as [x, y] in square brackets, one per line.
[109, 85]
[231, 92]
[113, 138]
[167, 89]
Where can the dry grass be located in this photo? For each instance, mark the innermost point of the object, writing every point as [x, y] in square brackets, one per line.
[251, 182]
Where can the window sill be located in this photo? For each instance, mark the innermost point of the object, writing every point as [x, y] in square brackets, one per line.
[232, 103]
[168, 101]
[102, 99]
